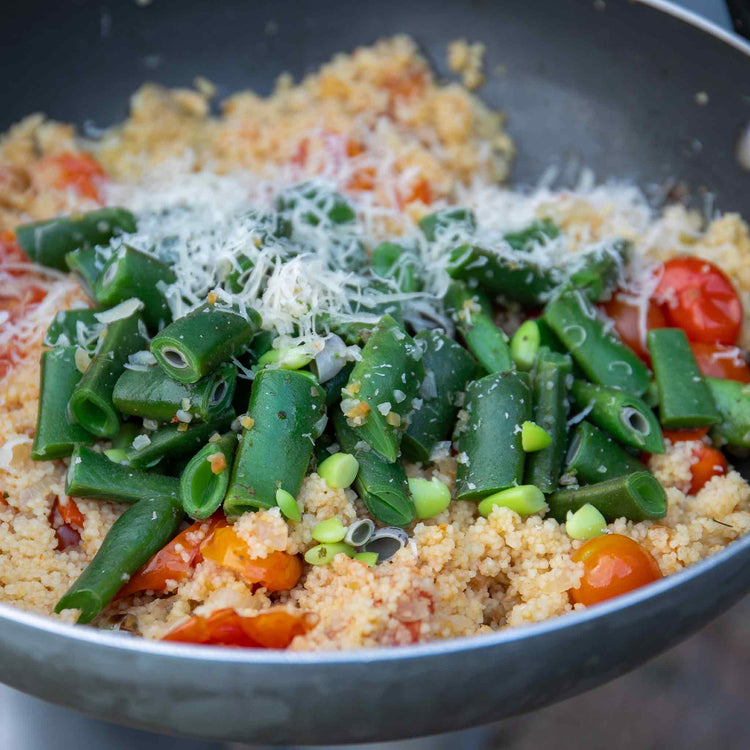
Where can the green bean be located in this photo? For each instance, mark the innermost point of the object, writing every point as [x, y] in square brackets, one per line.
[200, 341]
[127, 433]
[91, 403]
[140, 532]
[636, 497]
[93, 475]
[205, 479]
[524, 499]
[491, 457]
[286, 408]
[585, 523]
[66, 325]
[325, 206]
[333, 385]
[393, 261]
[87, 264]
[55, 436]
[524, 345]
[382, 387]
[48, 242]
[431, 497]
[626, 418]
[602, 357]
[455, 220]
[152, 394]
[472, 314]
[600, 274]
[537, 233]
[448, 368]
[550, 412]
[381, 486]
[684, 398]
[132, 273]
[732, 399]
[594, 457]
[174, 441]
[339, 470]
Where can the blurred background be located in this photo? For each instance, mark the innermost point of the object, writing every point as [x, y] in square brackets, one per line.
[694, 697]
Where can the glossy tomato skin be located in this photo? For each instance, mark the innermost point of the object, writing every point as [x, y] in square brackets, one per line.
[627, 319]
[697, 296]
[720, 361]
[613, 565]
[707, 463]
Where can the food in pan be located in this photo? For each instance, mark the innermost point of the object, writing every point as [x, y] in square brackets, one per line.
[306, 375]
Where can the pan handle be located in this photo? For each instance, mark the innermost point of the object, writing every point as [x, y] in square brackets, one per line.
[739, 10]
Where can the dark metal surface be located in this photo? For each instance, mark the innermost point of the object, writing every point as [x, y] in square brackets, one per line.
[615, 88]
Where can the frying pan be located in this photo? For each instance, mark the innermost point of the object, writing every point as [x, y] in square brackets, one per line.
[611, 85]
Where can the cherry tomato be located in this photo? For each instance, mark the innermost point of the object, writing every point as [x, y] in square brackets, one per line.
[627, 319]
[81, 172]
[699, 298]
[680, 436]
[362, 180]
[613, 565]
[709, 463]
[67, 521]
[274, 628]
[278, 571]
[10, 252]
[720, 361]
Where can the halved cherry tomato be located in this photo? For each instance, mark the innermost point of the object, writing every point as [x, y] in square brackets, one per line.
[274, 628]
[627, 319]
[699, 298]
[680, 436]
[613, 565]
[420, 190]
[278, 571]
[81, 172]
[67, 521]
[709, 463]
[720, 361]
[175, 560]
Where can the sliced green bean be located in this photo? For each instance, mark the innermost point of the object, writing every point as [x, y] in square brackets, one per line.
[732, 399]
[684, 398]
[600, 274]
[525, 499]
[626, 418]
[454, 220]
[74, 327]
[333, 385]
[286, 409]
[87, 264]
[636, 497]
[537, 233]
[594, 457]
[392, 261]
[93, 475]
[431, 497]
[205, 479]
[152, 394]
[127, 433]
[140, 532]
[382, 387]
[524, 345]
[200, 341]
[319, 204]
[448, 368]
[491, 457]
[55, 435]
[48, 242]
[602, 357]
[91, 403]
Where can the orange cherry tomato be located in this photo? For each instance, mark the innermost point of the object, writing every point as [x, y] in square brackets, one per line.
[698, 297]
[627, 319]
[720, 361]
[67, 521]
[613, 565]
[274, 628]
[680, 436]
[362, 180]
[80, 172]
[278, 571]
[419, 190]
[175, 560]
[709, 463]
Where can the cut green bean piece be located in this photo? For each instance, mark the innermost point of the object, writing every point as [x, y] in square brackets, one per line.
[370, 559]
[636, 497]
[391, 261]
[205, 479]
[534, 438]
[383, 386]
[601, 272]
[491, 457]
[91, 403]
[585, 523]
[193, 345]
[537, 233]
[732, 399]
[524, 500]
[288, 505]
[330, 531]
[293, 358]
[333, 385]
[132, 273]
[602, 357]
[626, 418]
[323, 554]
[175, 440]
[339, 470]
[431, 497]
[524, 345]
[286, 408]
[448, 221]
[448, 368]
[127, 433]
[472, 314]
[87, 263]
[55, 435]
[382, 486]
[48, 242]
[152, 394]
[95, 476]
[684, 398]
[140, 532]
[320, 205]
[594, 457]
[74, 327]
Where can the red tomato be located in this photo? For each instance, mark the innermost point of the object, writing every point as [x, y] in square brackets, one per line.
[699, 298]
[81, 172]
[274, 628]
[709, 463]
[278, 571]
[67, 521]
[680, 436]
[719, 361]
[627, 319]
[175, 560]
[613, 565]
[419, 191]
[362, 180]
[9, 250]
